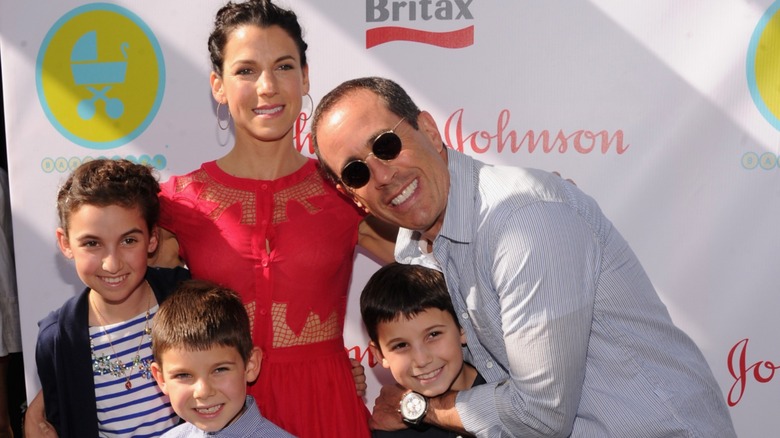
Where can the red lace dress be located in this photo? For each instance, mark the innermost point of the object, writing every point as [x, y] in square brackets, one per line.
[287, 247]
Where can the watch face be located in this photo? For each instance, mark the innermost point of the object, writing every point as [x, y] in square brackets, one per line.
[413, 406]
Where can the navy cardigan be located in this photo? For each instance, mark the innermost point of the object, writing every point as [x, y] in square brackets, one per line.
[64, 358]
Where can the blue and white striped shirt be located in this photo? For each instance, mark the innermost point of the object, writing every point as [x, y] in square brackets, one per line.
[561, 317]
[143, 410]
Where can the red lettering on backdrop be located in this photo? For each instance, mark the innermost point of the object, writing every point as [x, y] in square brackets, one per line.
[739, 370]
[300, 139]
[480, 142]
[581, 141]
[355, 353]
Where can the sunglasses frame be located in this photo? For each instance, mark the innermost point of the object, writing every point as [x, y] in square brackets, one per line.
[373, 145]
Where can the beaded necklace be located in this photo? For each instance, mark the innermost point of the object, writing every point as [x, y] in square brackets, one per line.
[106, 365]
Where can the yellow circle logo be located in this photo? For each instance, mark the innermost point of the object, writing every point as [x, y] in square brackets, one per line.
[763, 65]
[100, 76]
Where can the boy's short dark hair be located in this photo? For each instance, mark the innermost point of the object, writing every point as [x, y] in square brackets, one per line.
[198, 316]
[105, 182]
[402, 290]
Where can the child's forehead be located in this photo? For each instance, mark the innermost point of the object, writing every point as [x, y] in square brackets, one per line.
[212, 355]
[112, 216]
[117, 208]
[426, 318]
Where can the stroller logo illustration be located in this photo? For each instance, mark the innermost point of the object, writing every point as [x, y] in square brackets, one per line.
[762, 66]
[87, 71]
[100, 76]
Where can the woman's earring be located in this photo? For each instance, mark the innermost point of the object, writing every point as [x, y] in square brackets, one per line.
[219, 121]
[311, 101]
[300, 121]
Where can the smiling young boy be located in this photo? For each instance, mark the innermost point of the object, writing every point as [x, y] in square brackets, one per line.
[203, 359]
[415, 333]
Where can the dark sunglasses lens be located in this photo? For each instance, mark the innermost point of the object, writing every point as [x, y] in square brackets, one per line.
[387, 146]
[355, 174]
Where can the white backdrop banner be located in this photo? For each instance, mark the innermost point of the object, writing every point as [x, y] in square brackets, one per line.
[666, 112]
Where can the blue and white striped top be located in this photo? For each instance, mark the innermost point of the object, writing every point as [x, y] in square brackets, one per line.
[143, 410]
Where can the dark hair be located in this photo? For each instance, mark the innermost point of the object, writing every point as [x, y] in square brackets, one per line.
[198, 316]
[397, 290]
[260, 13]
[105, 182]
[395, 97]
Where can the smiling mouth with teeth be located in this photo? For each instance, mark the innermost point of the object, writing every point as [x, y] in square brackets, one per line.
[114, 280]
[209, 410]
[261, 112]
[398, 200]
[430, 375]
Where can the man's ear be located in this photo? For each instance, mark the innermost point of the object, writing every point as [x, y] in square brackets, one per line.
[377, 352]
[463, 339]
[64, 244]
[157, 373]
[427, 126]
[253, 363]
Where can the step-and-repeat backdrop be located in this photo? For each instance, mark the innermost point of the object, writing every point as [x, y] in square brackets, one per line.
[667, 112]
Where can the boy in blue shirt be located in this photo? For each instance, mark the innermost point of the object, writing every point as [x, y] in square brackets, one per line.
[203, 360]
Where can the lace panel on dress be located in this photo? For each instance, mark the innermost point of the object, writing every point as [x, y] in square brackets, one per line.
[313, 331]
[301, 192]
[223, 196]
[250, 311]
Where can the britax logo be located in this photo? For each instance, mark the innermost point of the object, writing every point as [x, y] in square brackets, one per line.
[383, 11]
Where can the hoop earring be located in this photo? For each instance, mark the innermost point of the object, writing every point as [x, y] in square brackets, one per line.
[308, 116]
[219, 122]
[300, 121]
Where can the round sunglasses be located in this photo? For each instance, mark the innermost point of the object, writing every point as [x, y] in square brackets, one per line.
[386, 146]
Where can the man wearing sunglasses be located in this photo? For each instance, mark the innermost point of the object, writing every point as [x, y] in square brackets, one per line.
[559, 314]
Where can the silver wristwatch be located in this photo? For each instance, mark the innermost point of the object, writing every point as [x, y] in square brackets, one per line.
[413, 408]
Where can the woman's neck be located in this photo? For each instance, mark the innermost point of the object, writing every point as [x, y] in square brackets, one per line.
[262, 161]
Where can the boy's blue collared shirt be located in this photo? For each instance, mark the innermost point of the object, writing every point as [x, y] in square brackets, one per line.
[251, 424]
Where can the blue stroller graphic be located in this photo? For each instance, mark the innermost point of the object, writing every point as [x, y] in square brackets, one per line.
[87, 71]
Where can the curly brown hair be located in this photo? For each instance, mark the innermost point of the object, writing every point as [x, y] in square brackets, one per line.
[105, 182]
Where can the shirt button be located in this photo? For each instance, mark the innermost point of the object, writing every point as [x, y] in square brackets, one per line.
[489, 364]
[464, 315]
[264, 186]
[264, 263]
[263, 312]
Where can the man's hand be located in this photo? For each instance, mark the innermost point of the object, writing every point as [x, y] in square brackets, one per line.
[359, 374]
[386, 415]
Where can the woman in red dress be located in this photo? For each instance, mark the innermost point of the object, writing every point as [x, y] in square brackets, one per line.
[262, 221]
